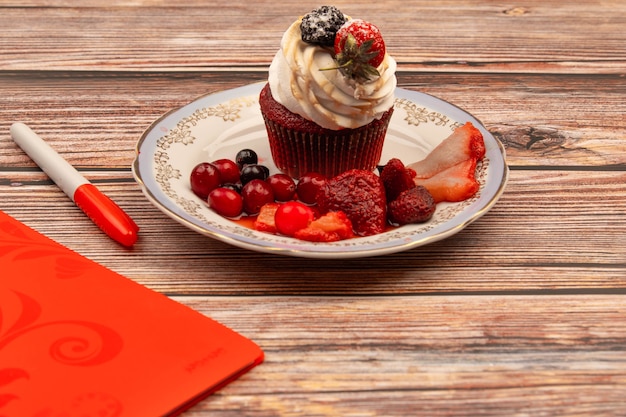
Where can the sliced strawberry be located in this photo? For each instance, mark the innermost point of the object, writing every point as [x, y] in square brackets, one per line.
[466, 142]
[453, 184]
[361, 195]
[415, 205]
[331, 227]
[396, 178]
[265, 219]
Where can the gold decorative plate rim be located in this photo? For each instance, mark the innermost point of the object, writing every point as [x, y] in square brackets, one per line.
[214, 124]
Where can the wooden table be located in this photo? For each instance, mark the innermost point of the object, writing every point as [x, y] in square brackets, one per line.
[522, 313]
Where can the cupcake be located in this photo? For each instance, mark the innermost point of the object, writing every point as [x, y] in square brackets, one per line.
[329, 96]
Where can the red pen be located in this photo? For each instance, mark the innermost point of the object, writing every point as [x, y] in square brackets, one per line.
[107, 215]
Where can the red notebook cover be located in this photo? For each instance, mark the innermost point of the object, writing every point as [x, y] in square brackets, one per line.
[77, 339]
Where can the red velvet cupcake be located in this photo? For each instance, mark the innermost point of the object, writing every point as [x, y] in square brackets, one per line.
[330, 95]
[299, 145]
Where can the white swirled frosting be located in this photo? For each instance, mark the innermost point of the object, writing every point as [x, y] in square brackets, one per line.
[328, 98]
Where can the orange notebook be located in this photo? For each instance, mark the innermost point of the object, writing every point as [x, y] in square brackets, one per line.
[77, 339]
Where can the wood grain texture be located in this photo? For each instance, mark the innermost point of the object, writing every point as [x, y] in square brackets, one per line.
[424, 355]
[443, 36]
[543, 235]
[523, 313]
[551, 120]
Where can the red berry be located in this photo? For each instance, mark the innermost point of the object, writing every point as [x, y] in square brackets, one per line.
[204, 178]
[256, 194]
[229, 171]
[293, 216]
[359, 48]
[415, 205]
[360, 194]
[226, 202]
[308, 186]
[283, 185]
[396, 178]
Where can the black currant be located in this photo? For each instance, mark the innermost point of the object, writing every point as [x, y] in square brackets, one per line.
[254, 172]
[246, 157]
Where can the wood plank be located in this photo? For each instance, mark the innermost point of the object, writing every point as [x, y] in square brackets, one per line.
[546, 120]
[455, 355]
[522, 313]
[443, 36]
[551, 231]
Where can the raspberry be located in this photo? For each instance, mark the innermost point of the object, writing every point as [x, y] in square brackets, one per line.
[415, 205]
[320, 26]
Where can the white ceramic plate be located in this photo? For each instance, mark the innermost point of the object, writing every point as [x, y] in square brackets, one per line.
[219, 125]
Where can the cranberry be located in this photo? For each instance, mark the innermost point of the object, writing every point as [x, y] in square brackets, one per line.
[204, 178]
[229, 171]
[308, 186]
[283, 185]
[226, 202]
[293, 216]
[252, 172]
[246, 157]
[255, 194]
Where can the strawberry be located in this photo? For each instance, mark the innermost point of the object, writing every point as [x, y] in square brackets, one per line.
[415, 205]
[361, 195]
[265, 219]
[466, 142]
[453, 184]
[331, 227]
[396, 178]
[449, 171]
[359, 49]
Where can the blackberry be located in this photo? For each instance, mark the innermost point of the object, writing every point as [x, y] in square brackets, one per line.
[320, 26]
